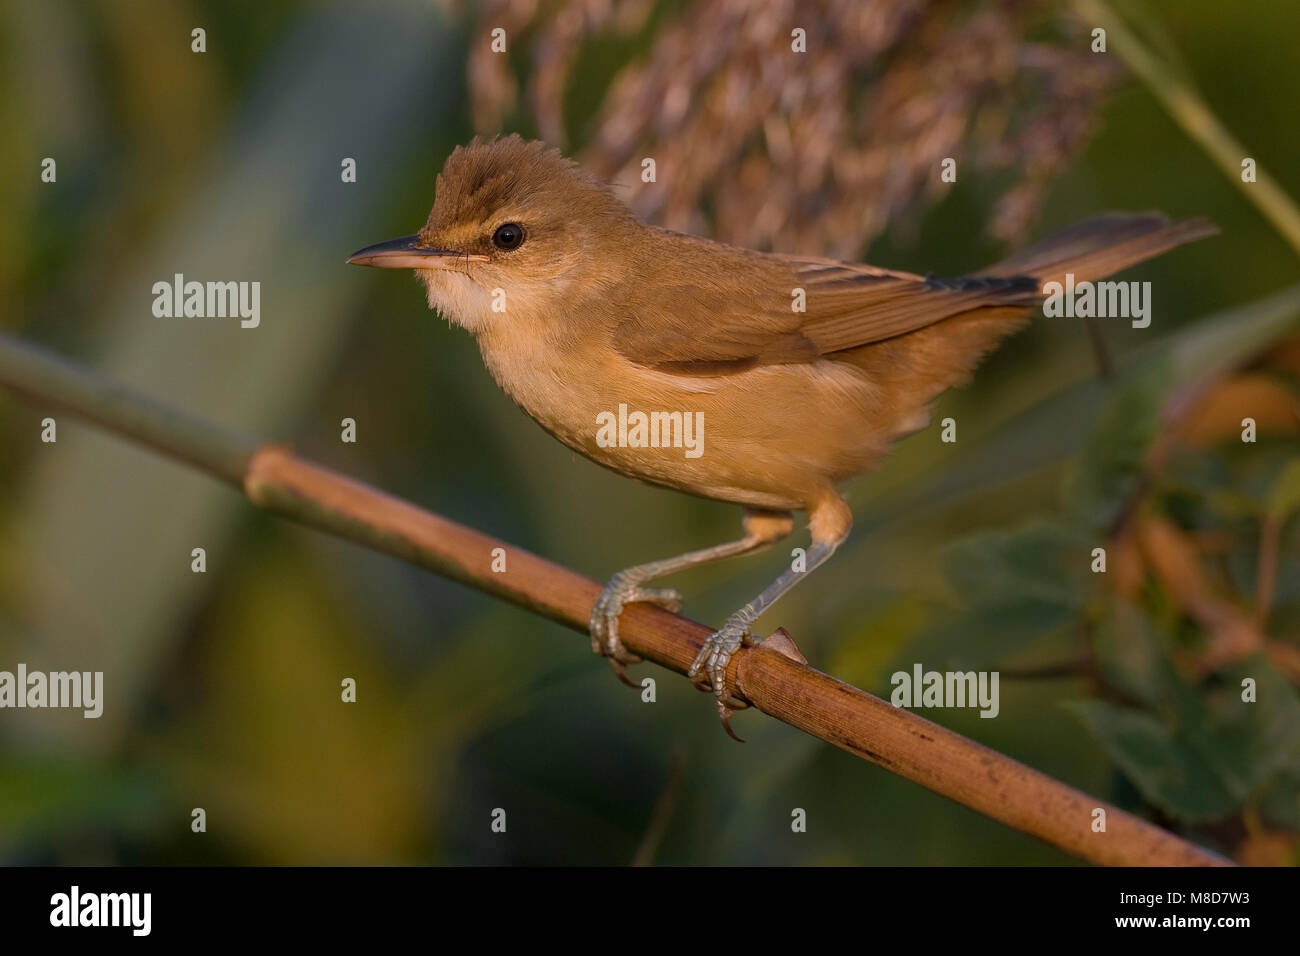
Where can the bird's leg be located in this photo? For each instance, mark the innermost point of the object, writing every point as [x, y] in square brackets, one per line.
[829, 520]
[762, 528]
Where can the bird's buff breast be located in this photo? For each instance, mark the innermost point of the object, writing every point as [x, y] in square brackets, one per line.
[751, 438]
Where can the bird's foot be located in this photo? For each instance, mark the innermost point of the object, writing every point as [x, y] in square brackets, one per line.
[622, 590]
[713, 659]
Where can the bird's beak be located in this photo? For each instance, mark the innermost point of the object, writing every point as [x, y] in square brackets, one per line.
[406, 253]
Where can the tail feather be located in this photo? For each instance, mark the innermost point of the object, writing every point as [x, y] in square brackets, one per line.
[914, 368]
[1099, 247]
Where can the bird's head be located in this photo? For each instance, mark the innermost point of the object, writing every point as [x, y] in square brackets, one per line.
[515, 228]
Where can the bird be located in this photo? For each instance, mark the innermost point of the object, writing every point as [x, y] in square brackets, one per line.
[761, 379]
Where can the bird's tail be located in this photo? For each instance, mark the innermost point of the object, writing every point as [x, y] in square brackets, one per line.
[920, 365]
[1098, 247]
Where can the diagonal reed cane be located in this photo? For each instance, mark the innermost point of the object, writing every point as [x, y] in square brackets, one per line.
[773, 677]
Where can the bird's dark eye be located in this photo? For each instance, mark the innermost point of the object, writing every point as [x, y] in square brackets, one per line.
[509, 236]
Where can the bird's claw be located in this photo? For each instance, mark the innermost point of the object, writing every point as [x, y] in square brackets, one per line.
[618, 592]
[712, 661]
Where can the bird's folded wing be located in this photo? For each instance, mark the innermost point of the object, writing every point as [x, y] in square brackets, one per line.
[719, 326]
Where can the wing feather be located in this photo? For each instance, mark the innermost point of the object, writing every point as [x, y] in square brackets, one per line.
[738, 311]
[739, 318]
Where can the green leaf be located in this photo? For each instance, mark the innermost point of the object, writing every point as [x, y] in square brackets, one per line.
[1226, 339]
[1041, 561]
[1010, 588]
[1110, 465]
[1130, 655]
[1247, 743]
[982, 637]
[1166, 771]
[1210, 752]
[1280, 803]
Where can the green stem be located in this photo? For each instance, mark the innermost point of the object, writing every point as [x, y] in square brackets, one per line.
[57, 383]
[1196, 118]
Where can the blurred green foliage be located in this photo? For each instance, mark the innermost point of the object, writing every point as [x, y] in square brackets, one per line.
[223, 688]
